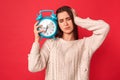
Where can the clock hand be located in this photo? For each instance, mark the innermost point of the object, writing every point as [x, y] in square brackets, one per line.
[46, 28]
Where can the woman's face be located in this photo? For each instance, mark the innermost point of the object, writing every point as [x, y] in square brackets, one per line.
[65, 22]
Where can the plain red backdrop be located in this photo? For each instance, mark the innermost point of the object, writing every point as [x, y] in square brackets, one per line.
[17, 18]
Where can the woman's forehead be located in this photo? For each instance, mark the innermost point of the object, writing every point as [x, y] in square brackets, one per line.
[63, 15]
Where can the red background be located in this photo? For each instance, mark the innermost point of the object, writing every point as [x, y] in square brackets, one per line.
[17, 18]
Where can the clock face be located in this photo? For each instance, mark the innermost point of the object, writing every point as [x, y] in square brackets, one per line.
[48, 26]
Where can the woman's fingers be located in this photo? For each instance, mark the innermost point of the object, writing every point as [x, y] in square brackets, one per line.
[74, 12]
[37, 31]
[40, 31]
[36, 28]
[36, 23]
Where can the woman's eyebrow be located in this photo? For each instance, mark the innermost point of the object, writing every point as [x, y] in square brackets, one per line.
[65, 18]
[60, 19]
[68, 18]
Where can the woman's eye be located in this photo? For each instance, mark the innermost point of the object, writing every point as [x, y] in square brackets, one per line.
[68, 18]
[61, 20]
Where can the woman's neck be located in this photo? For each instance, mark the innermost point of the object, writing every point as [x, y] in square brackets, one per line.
[68, 37]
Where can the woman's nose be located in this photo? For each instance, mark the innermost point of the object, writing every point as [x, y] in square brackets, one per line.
[65, 23]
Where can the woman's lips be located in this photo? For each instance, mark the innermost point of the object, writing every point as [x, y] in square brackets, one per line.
[67, 28]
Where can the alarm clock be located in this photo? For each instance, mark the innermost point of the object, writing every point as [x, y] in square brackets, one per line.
[48, 24]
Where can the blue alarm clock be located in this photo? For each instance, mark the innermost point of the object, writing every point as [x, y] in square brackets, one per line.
[48, 24]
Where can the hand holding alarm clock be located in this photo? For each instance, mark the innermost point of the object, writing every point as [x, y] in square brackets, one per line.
[48, 24]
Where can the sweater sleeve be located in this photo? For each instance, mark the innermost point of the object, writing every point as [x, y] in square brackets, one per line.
[37, 59]
[100, 30]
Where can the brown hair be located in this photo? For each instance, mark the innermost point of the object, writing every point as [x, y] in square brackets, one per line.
[68, 10]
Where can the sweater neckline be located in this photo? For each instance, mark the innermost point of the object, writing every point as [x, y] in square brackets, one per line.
[67, 41]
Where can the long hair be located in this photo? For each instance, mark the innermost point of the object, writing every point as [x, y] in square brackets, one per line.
[68, 10]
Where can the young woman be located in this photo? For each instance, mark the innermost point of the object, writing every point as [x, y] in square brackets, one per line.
[67, 57]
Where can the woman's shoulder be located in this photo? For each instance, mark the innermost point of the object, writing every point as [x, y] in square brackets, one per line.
[51, 42]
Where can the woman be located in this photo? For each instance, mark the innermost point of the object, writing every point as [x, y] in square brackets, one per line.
[67, 57]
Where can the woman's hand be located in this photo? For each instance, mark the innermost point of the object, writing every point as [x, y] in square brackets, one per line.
[36, 32]
[74, 13]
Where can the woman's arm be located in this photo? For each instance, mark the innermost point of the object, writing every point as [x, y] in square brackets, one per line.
[37, 59]
[100, 30]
